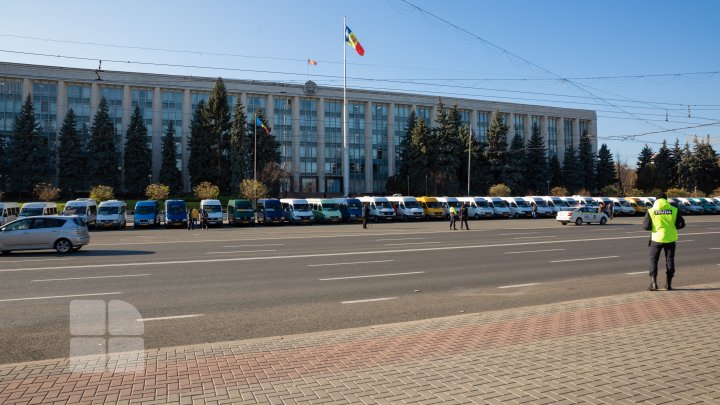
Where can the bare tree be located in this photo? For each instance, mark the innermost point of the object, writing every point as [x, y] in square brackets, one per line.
[46, 191]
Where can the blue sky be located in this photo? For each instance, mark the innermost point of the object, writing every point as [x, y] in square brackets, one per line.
[411, 51]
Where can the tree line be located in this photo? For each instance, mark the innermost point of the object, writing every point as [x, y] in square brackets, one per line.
[220, 145]
[434, 161]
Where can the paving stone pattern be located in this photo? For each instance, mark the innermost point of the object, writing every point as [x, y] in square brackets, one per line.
[654, 348]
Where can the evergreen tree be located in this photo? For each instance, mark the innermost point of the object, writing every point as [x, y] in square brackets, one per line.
[664, 167]
[536, 174]
[497, 147]
[103, 161]
[239, 152]
[28, 153]
[417, 170]
[645, 170]
[72, 174]
[686, 169]
[555, 172]
[605, 168]
[480, 181]
[200, 164]
[408, 154]
[571, 171]
[138, 157]
[3, 164]
[586, 162]
[169, 173]
[218, 116]
[516, 166]
[706, 166]
[676, 157]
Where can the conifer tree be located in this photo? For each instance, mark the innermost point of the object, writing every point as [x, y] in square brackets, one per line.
[496, 150]
[218, 116]
[72, 173]
[239, 148]
[571, 171]
[516, 166]
[686, 169]
[586, 162]
[103, 161]
[3, 165]
[605, 168]
[200, 164]
[706, 166]
[665, 168]
[28, 155]
[169, 173]
[555, 172]
[408, 154]
[676, 157]
[268, 152]
[537, 164]
[138, 157]
[645, 170]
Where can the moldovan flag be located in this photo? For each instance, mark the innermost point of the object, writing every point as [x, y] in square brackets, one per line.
[312, 62]
[259, 123]
[352, 40]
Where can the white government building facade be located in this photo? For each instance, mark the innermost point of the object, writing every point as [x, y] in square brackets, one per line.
[305, 119]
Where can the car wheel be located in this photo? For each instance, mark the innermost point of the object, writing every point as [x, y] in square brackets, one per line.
[578, 221]
[76, 248]
[564, 223]
[603, 221]
[63, 246]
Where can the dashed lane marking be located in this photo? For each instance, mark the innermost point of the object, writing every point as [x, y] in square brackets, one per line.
[372, 275]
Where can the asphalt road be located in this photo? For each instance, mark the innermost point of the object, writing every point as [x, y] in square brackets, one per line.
[239, 283]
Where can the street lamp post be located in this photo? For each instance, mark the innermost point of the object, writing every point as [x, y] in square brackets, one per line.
[548, 187]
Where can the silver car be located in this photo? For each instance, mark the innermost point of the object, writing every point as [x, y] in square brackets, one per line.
[62, 233]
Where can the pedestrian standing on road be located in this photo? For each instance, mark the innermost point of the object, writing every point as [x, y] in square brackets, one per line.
[453, 217]
[365, 214]
[663, 220]
[190, 224]
[204, 218]
[611, 210]
[533, 207]
[464, 216]
[601, 207]
[195, 216]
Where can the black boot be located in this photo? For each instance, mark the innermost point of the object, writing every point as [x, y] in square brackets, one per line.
[653, 284]
[668, 284]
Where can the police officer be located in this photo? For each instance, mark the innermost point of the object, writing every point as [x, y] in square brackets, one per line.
[663, 220]
[464, 216]
[365, 214]
[453, 217]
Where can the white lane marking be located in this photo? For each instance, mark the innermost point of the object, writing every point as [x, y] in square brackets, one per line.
[31, 260]
[585, 258]
[713, 228]
[369, 300]
[516, 233]
[534, 251]
[410, 243]
[361, 253]
[718, 248]
[638, 272]
[163, 318]
[242, 251]
[397, 239]
[90, 278]
[535, 237]
[519, 285]
[59, 296]
[342, 264]
[371, 276]
[267, 244]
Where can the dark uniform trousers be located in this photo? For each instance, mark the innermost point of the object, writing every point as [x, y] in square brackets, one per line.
[669, 248]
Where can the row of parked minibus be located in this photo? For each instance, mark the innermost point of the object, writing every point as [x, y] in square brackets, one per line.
[174, 212]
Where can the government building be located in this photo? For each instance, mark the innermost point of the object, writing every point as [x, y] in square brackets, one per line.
[306, 120]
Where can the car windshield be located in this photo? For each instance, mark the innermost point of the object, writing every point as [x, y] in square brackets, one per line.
[31, 211]
[108, 210]
[432, 204]
[355, 204]
[412, 204]
[382, 204]
[176, 209]
[330, 207]
[74, 210]
[212, 208]
[145, 209]
[624, 203]
[500, 204]
[245, 205]
[541, 203]
[301, 207]
[482, 204]
[522, 203]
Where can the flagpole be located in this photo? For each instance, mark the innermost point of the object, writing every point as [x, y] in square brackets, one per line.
[346, 151]
[255, 159]
[469, 150]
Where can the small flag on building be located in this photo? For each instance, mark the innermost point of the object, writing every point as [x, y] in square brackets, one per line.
[352, 40]
[260, 124]
[312, 62]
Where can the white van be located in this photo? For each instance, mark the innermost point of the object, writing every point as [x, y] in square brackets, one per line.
[83, 207]
[38, 208]
[297, 210]
[500, 207]
[477, 207]
[380, 208]
[9, 211]
[622, 207]
[447, 202]
[111, 214]
[543, 208]
[214, 211]
[518, 207]
[407, 208]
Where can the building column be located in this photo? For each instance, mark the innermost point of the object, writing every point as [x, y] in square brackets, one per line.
[61, 112]
[391, 140]
[125, 120]
[94, 99]
[321, 144]
[576, 131]
[185, 132]
[295, 167]
[527, 131]
[157, 129]
[561, 136]
[368, 147]
[544, 134]
[26, 89]
[270, 110]
[473, 124]
[511, 124]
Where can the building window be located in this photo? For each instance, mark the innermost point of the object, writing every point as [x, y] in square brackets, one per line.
[308, 135]
[464, 118]
[401, 116]
[584, 127]
[114, 98]
[536, 119]
[172, 112]
[196, 98]
[254, 102]
[425, 113]
[282, 128]
[333, 137]
[143, 98]
[483, 124]
[519, 125]
[568, 128]
[552, 136]
[45, 104]
[356, 135]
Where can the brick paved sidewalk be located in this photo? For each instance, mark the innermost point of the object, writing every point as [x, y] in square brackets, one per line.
[646, 347]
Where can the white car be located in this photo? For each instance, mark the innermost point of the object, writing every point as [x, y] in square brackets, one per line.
[580, 215]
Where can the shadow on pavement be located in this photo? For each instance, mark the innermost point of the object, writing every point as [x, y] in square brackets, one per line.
[81, 253]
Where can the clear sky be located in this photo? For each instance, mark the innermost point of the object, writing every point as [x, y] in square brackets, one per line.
[565, 53]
